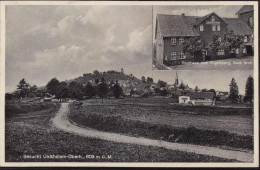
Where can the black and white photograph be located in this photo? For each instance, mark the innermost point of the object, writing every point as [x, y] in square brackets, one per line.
[203, 37]
[133, 84]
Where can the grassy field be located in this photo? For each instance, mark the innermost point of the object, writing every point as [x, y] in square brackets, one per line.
[158, 111]
[31, 138]
[101, 119]
[20, 109]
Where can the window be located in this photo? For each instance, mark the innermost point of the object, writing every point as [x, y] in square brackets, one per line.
[201, 27]
[181, 40]
[173, 55]
[219, 39]
[251, 21]
[173, 41]
[213, 18]
[182, 56]
[244, 50]
[237, 51]
[213, 27]
[245, 38]
[221, 52]
[218, 27]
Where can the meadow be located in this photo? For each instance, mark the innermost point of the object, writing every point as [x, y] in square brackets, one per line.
[185, 124]
[33, 134]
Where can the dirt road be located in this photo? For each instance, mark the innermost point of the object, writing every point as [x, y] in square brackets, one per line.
[61, 121]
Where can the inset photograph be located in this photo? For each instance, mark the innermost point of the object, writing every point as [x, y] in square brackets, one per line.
[203, 37]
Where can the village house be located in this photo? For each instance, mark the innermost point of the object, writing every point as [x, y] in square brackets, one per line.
[198, 98]
[222, 96]
[173, 30]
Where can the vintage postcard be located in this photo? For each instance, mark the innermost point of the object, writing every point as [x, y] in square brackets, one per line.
[129, 84]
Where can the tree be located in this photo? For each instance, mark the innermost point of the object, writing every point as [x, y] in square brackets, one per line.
[8, 96]
[102, 90]
[204, 90]
[33, 90]
[215, 43]
[96, 72]
[103, 80]
[194, 47]
[111, 83]
[143, 79]
[231, 41]
[75, 90]
[62, 90]
[149, 80]
[196, 89]
[23, 87]
[249, 95]
[96, 81]
[52, 86]
[117, 90]
[161, 83]
[182, 86]
[163, 92]
[233, 93]
[90, 90]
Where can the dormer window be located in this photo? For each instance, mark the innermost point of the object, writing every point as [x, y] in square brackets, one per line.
[173, 41]
[213, 18]
[201, 27]
[218, 27]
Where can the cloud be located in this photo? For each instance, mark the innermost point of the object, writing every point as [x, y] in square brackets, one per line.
[67, 41]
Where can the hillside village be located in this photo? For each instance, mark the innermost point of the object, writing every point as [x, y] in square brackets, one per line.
[117, 84]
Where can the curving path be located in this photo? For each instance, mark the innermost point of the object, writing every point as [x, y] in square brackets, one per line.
[61, 122]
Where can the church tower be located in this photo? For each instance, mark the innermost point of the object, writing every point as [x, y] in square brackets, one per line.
[176, 84]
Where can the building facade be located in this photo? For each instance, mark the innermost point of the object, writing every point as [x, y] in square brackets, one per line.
[173, 31]
[198, 98]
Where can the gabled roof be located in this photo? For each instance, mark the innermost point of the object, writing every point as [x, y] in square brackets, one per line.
[175, 25]
[238, 26]
[201, 95]
[245, 8]
[206, 16]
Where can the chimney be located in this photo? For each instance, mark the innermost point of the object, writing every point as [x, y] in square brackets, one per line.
[183, 14]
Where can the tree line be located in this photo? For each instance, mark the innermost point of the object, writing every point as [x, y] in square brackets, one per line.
[62, 90]
[101, 88]
[75, 90]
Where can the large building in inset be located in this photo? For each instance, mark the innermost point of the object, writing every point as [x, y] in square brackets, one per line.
[173, 30]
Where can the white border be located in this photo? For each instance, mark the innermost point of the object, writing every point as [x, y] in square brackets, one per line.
[81, 164]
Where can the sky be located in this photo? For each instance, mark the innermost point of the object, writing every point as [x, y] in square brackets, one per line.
[209, 79]
[43, 42]
[226, 11]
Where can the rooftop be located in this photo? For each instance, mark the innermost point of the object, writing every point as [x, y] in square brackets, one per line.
[245, 8]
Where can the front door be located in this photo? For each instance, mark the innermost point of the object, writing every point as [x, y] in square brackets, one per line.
[249, 50]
